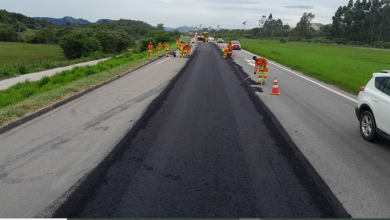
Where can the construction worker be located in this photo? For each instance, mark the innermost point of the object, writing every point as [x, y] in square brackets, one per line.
[150, 49]
[166, 49]
[224, 51]
[214, 40]
[230, 47]
[189, 45]
[159, 46]
[196, 39]
[177, 43]
[181, 45]
[261, 65]
[185, 50]
[206, 40]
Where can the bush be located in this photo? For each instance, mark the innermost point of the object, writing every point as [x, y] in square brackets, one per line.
[45, 80]
[378, 44]
[340, 41]
[79, 44]
[4, 72]
[283, 41]
[22, 70]
[355, 43]
[386, 45]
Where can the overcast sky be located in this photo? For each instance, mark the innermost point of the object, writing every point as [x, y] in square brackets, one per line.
[228, 14]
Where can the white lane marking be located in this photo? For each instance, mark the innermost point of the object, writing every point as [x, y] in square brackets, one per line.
[312, 81]
[250, 62]
[163, 61]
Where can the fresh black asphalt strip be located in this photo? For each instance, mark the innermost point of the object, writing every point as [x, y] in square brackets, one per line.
[206, 147]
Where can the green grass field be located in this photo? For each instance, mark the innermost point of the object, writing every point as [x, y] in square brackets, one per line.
[18, 53]
[346, 67]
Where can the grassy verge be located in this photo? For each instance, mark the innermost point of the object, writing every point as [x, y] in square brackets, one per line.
[27, 97]
[346, 67]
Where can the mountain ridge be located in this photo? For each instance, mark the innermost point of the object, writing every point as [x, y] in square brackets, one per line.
[71, 20]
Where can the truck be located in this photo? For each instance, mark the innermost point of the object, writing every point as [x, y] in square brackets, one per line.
[203, 36]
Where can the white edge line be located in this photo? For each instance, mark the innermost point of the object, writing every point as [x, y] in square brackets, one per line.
[312, 81]
[163, 61]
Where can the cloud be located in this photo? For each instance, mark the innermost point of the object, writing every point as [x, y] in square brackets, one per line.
[300, 6]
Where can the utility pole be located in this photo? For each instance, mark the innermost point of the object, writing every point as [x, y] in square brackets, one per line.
[19, 32]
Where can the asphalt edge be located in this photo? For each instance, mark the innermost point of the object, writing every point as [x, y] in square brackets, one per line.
[317, 179]
[91, 181]
[62, 102]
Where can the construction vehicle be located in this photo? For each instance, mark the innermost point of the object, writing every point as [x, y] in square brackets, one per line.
[205, 35]
[201, 37]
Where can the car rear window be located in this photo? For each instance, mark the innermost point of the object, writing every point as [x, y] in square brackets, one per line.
[379, 82]
[235, 42]
[386, 88]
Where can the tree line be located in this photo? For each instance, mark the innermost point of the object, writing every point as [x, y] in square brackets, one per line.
[81, 40]
[363, 22]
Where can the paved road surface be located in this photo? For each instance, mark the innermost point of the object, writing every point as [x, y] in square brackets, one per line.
[210, 149]
[42, 161]
[324, 126]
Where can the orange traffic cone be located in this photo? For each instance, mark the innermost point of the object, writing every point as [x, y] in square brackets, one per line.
[234, 55]
[275, 89]
[223, 45]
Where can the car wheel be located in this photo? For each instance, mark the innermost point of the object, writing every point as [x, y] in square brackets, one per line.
[368, 126]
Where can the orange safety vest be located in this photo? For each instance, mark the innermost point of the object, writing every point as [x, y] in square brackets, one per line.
[150, 47]
[166, 47]
[230, 46]
[259, 63]
[159, 46]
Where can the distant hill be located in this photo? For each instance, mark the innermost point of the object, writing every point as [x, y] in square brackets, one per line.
[167, 28]
[15, 19]
[101, 21]
[64, 20]
[186, 29]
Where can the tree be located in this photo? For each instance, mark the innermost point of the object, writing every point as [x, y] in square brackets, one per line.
[303, 27]
[325, 30]
[160, 26]
[79, 44]
[7, 32]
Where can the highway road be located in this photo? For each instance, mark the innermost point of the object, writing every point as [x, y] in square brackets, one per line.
[208, 145]
[321, 121]
[209, 149]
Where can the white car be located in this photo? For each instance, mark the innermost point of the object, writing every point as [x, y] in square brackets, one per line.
[373, 109]
[211, 39]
